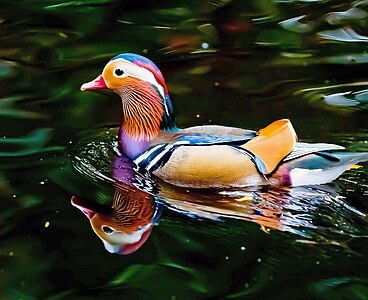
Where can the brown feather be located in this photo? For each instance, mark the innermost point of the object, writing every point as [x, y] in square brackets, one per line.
[214, 166]
[130, 210]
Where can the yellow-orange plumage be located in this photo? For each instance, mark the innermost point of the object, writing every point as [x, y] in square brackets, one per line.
[273, 143]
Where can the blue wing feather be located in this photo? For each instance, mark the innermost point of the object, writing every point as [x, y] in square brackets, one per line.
[198, 139]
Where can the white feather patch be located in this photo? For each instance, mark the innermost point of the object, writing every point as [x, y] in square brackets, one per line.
[133, 70]
[300, 176]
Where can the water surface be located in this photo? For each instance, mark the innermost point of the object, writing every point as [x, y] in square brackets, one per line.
[237, 63]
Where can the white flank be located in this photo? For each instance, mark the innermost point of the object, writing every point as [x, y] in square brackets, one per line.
[316, 176]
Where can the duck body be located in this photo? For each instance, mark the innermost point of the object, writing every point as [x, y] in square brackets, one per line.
[224, 164]
[209, 156]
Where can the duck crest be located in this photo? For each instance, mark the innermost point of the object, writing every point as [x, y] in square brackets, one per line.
[146, 63]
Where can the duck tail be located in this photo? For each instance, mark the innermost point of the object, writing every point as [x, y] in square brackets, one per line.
[351, 158]
[320, 167]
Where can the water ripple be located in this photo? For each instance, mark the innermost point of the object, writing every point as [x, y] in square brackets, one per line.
[353, 96]
[345, 34]
[341, 17]
[317, 213]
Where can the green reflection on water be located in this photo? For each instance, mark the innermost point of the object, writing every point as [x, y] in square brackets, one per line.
[248, 67]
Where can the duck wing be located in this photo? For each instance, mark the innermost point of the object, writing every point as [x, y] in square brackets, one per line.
[220, 130]
[303, 149]
[166, 143]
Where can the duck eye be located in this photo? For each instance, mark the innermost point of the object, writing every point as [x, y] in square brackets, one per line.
[107, 229]
[118, 72]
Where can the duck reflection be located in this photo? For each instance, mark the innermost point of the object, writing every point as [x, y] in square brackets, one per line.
[296, 210]
[125, 225]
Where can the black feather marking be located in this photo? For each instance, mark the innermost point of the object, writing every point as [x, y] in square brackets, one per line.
[328, 156]
[261, 167]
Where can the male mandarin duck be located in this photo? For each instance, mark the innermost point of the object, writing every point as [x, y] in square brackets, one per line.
[124, 226]
[209, 156]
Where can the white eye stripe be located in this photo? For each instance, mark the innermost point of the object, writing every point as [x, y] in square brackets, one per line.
[133, 70]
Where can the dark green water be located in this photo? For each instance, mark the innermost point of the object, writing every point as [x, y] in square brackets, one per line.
[225, 62]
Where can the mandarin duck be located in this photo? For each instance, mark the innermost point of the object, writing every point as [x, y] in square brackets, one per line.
[209, 156]
[126, 224]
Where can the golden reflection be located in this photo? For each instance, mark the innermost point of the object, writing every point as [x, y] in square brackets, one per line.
[125, 224]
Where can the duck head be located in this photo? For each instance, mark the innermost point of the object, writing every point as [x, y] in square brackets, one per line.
[146, 103]
[126, 225]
